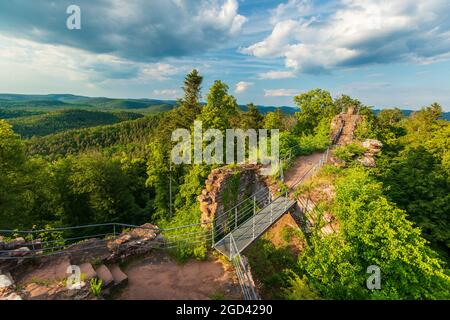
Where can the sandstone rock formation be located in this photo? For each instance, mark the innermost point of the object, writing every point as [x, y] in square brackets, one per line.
[242, 181]
[349, 121]
[372, 148]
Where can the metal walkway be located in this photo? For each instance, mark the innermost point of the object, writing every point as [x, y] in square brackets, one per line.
[254, 227]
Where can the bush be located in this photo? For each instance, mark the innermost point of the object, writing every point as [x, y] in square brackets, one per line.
[349, 152]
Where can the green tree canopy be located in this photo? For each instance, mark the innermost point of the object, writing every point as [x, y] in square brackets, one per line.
[314, 106]
[221, 109]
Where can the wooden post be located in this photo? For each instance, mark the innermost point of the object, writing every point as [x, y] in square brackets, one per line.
[235, 217]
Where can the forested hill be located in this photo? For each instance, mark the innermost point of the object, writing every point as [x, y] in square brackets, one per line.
[53, 102]
[48, 123]
[80, 140]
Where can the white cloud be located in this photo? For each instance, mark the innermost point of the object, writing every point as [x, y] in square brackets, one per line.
[225, 17]
[138, 30]
[160, 71]
[166, 93]
[274, 74]
[358, 32]
[280, 92]
[24, 63]
[242, 86]
[291, 10]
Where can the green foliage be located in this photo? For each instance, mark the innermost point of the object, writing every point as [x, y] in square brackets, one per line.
[190, 106]
[299, 289]
[7, 114]
[96, 286]
[129, 133]
[271, 266]
[344, 102]
[274, 120]
[252, 119]
[194, 182]
[221, 110]
[415, 171]
[373, 232]
[44, 124]
[197, 248]
[314, 105]
[349, 152]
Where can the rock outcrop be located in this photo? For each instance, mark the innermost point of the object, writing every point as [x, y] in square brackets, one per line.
[349, 121]
[223, 183]
[372, 148]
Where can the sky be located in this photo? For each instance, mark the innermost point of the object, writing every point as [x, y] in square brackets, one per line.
[384, 53]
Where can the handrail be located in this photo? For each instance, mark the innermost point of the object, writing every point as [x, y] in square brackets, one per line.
[104, 225]
[242, 273]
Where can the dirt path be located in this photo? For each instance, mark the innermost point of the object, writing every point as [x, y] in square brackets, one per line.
[159, 277]
[300, 167]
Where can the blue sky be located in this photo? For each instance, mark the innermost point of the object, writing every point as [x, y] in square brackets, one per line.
[385, 53]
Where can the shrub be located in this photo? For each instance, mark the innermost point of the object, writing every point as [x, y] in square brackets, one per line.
[349, 152]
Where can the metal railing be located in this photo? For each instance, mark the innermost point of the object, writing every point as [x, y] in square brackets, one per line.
[258, 223]
[47, 242]
[243, 274]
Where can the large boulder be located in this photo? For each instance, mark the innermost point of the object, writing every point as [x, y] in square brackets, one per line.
[372, 148]
[372, 145]
[6, 281]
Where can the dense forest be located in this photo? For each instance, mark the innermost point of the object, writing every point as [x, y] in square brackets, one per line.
[394, 215]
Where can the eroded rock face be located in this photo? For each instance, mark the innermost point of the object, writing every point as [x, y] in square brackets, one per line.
[350, 122]
[145, 232]
[224, 183]
[137, 241]
[372, 148]
[372, 145]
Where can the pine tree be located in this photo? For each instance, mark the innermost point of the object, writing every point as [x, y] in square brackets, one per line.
[190, 106]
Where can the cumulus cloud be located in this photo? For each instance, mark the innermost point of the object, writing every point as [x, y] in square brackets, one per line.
[137, 30]
[166, 93]
[76, 64]
[274, 74]
[242, 86]
[280, 92]
[160, 71]
[358, 32]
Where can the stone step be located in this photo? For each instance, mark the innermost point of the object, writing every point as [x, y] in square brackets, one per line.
[105, 275]
[88, 271]
[119, 276]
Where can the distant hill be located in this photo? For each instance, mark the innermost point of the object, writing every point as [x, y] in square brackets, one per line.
[57, 121]
[67, 101]
[407, 113]
[54, 102]
[51, 102]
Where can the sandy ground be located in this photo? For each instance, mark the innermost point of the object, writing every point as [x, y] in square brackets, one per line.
[300, 167]
[159, 277]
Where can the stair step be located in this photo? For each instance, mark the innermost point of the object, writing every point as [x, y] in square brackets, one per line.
[119, 276]
[88, 271]
[105, 275]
